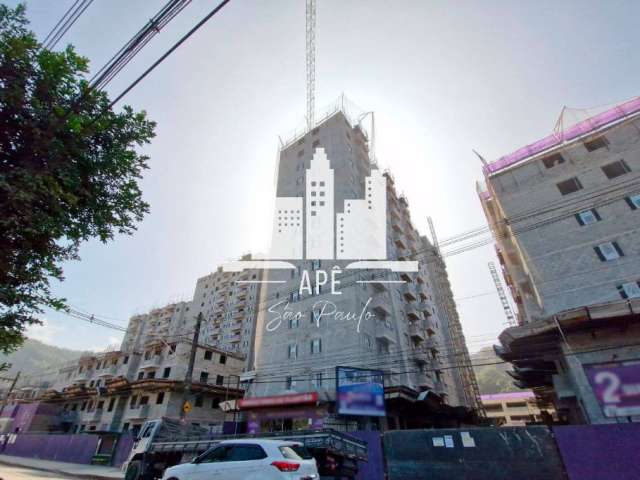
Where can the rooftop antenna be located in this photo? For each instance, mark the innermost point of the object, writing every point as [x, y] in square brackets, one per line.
[311, 62]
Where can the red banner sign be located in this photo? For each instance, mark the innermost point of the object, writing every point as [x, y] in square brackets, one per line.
[279, 400]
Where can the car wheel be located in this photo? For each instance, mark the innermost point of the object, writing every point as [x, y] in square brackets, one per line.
[133, 471]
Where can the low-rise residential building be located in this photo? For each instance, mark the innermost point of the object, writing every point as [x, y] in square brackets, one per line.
[145, 379]
[565, 215]
[514, 409]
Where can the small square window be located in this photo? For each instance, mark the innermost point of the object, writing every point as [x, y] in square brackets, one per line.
[596, 143]
[313, 203]
[313, 193]
[569, 186]
[608, 251]
[313, 184]
[313, 213]
[616, 169]
[553, 160]
[633, 201]
[322, 184]
[322, 204]
[629, 290]
[322, 193]
[588, 217]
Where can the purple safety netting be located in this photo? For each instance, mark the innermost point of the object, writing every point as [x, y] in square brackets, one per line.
[575, 131]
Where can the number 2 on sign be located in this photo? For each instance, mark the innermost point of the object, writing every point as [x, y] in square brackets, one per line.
[611, 382]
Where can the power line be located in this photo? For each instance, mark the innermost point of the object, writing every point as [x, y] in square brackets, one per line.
[65, 23]
[169, 52]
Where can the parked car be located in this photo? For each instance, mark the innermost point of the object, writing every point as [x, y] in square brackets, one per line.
[249, 459]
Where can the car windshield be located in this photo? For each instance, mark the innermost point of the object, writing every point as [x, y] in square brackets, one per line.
[295, 452]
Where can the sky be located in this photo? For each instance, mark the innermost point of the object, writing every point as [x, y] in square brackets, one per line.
[442, 77]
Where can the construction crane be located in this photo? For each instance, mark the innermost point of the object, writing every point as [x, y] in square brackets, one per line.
[311, 63]
[511, 318]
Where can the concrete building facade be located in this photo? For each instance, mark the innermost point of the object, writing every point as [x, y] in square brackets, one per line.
[515, 409]
[564, 214]
[302, 334]
[119, 390]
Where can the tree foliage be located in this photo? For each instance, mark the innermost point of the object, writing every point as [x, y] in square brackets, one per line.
[69, 170]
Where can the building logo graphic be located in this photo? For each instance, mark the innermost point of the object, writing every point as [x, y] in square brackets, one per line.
[310, 228]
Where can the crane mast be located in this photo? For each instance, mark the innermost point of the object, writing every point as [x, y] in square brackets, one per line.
[311, 63]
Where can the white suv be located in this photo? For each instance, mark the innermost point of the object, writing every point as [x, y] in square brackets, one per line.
[249, 459]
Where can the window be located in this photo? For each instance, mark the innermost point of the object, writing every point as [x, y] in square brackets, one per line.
[616, 169]
[151, 374]
[516, 404]
[144, 400]
[290, 383]
[316, 346]
[608, 251]
[495, 407]
[294, 322]
[198, 402]
[295, 296]
[208, 354]
[318, 379]
[569, 186]
[222, 359]
[313, 213]
[596, 143]
[215, 402]
[293, 352]
[166, 372]
[313, 184]
[112, 404]
[132, 402]
[140, 375]
[204, 376]
[218, 454]
[243, 453]
[160, 398]
[125, 360]
[629, 290]
[100, 405]
[322, 193]
[588, 217]
[219, 380]
[313, 203]
[553, 160]
[322, 184]
[633, 201]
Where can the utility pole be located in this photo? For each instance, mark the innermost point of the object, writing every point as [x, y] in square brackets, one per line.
[188, 380]
[13, 385]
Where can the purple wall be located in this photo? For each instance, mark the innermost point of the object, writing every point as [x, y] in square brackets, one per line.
[123, 448]
[374, 468]
[61, 448]
[600, 452]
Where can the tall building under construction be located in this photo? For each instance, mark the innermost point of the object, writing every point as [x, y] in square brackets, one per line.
[403, 323]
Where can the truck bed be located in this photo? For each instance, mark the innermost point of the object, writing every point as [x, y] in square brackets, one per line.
[338, 443]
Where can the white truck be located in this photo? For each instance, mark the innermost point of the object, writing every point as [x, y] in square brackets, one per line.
[165, 442]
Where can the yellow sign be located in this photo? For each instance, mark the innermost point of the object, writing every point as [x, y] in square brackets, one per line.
[186, 408]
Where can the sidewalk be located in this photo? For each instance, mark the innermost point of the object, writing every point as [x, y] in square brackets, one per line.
[97, 472]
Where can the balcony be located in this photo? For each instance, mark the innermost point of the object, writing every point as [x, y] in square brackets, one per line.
[408, 293]
[420, 356]
[380, 306]
[83, 376]
[110, 371]
[416, 331]
[96, 415]
[140, 412]
[413, 314]
[152, 362]
[384, 333]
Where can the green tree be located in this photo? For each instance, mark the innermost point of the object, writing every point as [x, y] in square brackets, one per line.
[69, 170]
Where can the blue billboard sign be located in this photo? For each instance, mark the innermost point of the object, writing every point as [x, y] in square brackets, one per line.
[360, 392]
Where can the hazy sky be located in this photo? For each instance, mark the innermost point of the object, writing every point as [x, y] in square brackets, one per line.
[443, 78]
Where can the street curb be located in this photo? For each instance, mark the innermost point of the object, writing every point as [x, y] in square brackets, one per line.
[58, 472]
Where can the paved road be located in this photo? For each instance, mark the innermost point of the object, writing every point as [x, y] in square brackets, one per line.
[19, 473]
